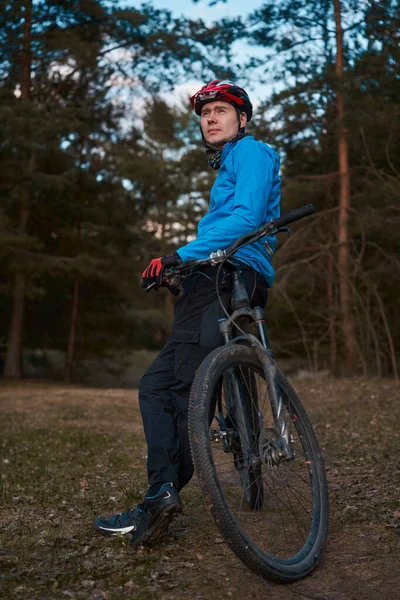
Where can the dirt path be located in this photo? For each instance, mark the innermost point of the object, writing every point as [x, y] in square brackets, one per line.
[69, 454]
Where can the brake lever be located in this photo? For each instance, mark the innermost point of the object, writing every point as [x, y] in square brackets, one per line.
[284, 230]
[148, 288]
[275, 230]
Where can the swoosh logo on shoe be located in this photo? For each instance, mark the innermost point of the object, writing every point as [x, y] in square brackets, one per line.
[166, 497]
[119, 530]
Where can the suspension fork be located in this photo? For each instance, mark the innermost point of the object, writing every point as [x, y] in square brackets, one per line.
[283, 425]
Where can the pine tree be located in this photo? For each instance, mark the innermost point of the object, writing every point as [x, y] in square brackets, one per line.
[66, 67]
[303, 122]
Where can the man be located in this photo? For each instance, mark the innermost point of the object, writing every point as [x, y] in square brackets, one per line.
[245, 195]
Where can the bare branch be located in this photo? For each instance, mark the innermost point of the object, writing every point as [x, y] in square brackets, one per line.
[388, 156]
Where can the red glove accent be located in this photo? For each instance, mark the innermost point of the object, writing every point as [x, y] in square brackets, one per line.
[154, 272]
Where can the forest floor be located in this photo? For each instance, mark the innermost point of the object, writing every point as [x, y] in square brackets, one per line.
[72, 453]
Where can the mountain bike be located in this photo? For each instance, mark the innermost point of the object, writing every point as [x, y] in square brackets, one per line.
[253, 447]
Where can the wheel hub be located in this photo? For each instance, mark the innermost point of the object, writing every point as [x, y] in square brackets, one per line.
[273, 458]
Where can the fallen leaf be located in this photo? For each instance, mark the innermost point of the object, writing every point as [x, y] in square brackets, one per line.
[87, 583]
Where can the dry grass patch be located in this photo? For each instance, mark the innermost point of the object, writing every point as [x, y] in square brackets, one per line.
[71, 453]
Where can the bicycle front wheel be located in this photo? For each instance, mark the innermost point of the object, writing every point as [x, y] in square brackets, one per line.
[272, 511]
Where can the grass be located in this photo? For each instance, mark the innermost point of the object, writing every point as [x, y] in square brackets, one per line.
[70, 454]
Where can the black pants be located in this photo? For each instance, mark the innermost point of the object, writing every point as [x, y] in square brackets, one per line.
[165, 387]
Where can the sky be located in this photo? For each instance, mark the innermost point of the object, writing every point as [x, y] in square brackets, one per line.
[202, 10]
[209, 14]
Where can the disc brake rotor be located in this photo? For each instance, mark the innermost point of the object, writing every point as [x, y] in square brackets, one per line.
[275, 467]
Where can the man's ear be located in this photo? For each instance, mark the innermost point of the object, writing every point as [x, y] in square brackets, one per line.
[243, 119]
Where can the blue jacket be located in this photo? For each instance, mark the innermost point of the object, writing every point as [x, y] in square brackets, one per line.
[245, 195]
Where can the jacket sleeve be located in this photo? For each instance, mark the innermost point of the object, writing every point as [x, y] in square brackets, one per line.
[254, 174]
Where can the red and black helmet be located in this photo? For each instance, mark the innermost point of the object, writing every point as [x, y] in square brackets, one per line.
[223, 90]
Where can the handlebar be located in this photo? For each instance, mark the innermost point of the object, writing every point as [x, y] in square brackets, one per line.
[295, 215]
[270, 228]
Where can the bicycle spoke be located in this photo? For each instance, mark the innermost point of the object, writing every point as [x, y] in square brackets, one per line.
[283, 528]
[295, 493]
[300, 528]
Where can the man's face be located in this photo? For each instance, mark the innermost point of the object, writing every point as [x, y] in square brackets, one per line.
[219, 122]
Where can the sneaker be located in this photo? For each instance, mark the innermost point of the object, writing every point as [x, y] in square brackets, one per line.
[149, 520]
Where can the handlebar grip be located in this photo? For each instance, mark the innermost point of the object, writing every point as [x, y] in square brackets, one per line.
[150, 287]
[175, 291]
[294, 215]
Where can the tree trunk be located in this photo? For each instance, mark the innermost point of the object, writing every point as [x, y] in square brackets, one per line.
[347, 317]
[12, 367]
[332, 315]
[75, 307]
[72, 332]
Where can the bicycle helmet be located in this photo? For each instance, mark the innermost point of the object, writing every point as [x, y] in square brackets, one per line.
[223, 90]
